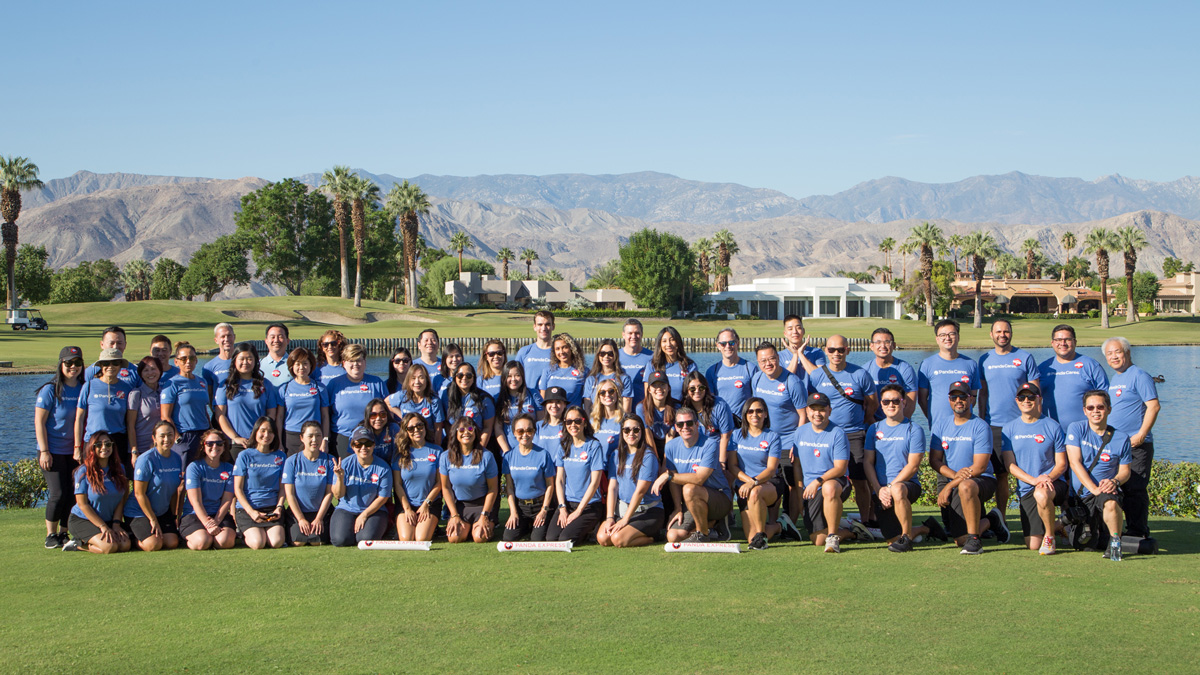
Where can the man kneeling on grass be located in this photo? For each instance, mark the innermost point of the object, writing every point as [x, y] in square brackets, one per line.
[1035, 453]
[894, 449]
[824, 453]
[1100, 456]
[697, 480]
[961, 453]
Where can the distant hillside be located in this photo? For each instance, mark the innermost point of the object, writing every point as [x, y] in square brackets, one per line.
[86, 182]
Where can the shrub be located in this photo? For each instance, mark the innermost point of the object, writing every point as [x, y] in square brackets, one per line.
[1093, 314]
[21, 484]
[611, 313]
[1146, 308]
[579, 303]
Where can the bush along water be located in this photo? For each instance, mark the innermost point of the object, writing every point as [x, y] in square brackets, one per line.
[22, 484]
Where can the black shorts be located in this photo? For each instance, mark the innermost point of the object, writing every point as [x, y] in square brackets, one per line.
[952, 516]
[719, 506]
[889, 524]
[293, 527]
[649, 522]
[191, 523]
[139, 528]
[1031, 521]
[245, 522]
[813, 510]
[998, 465]
[777, 482]
[83, 529]
[1095, 503]
[856, 439]
[471, 510]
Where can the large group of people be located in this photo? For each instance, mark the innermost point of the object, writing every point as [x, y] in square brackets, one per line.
[299, 448]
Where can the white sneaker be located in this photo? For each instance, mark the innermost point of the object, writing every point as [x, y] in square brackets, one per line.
[860, 531]
[1047, 545]
[833, 544]
[72, 545]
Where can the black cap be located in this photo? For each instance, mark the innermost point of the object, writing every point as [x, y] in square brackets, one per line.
[361, 434]
[961, 387]
[1029, 388]
[555, 394]
[818, 399]
[658, 377]
[68, 353]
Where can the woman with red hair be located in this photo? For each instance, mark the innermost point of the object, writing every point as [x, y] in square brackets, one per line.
[100, 491]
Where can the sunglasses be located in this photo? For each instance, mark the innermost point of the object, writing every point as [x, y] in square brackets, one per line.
[573, 420]
[359, 445]
[400, 361]
[378, 414]
[492, 355]
[631, 430]
[467, 430]
[327, 345]
[77, 363]
[1094, 408]
[685, 424]
[464, 376]
[836, 350]
[727, 343]
[890, 401]
[606, 355]
[187, 359]
[523, 431]
[105, 444]
[608, 392]
[214, 444]
[755, 411]
[880, 343]
[697, 387]
[109, 364]
[414, 427]
[1026, 397]
[958, 397]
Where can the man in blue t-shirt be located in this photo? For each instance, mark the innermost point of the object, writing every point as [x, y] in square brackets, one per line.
[1064, 377]
[274, 363]
[634, 357]
[944, 368]
[1134, 411]
[1033, 450]
[1003, 370]
[536, 356]
[428, 348]
[821, 448]
[697, 482]
[1099, 455]
[730, 377]
[796, 356]
[886, 369]
[216, 370]
[113, 337]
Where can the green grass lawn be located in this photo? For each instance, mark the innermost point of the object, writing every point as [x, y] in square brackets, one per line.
[81, 325]
[466, 608]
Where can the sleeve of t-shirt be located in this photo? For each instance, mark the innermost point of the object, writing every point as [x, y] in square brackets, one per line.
[935, 440]
[668, 459]
[544, 380]
[490, 470]
[134, 400]
[916, 440]
[589, 386]
[1098, 377]
[983, 440]
[712, 455]
[239, 465]
[723, 417]
[626, 386]
[1145, 386]
[841, 446]
[866, 382]
[922, 377]
[289, 470]
[489, 407]
[221, 398]
[85, 392]
[210, 380]
[1060, 444]
[385, 482]
[194, 479]
[908, 377]
[444, 464]
[799, 393]
[611, 465]
[45, 398]
[1126, 452]
[869, 438]
[598, 455]
[141, 469]
[1005, 440]
[549, 471]
[774, 447]
[81, 484]
[168, 394]
[649, 470]
[975, 383]
[272, 394]
[1031, 369]
[710, 375]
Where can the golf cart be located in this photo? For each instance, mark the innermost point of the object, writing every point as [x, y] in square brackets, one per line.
[24, 319]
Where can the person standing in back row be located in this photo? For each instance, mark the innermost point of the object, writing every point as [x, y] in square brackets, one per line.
[429, 347]
[537, 357]
[113, 337]
[943, 369]
[1134, 411]
[886, 369]
[274, 364]
[1004, 370]
[1066, 376]
[796, 356]
[634, 358]
[216, 370]
[730, 377]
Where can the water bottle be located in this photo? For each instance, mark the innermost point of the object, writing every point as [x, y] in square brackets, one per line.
[1114, 548]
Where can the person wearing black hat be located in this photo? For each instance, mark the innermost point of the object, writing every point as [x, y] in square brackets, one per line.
[823, 452]
[54, 427]
[362, 484]
[103, 404]
[960, 451]
[1035, 452]
[657, 410]
[550, 429]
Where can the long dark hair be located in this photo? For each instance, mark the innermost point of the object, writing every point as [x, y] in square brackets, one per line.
[366, 422]
[427, 393]
[506, 399]
[596, 369]
[58, 381]
[454, 451]
[235, 377]
[393, 382]
[567, 440]
[454, 406]
[404, 443]
[91, 464]
[270, 425]
[623, 447]
[704, 414]
[659, 360]
[766, 423]
[669, 407]
[451, 347]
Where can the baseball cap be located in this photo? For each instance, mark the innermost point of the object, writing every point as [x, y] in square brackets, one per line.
[68, 353]
[818, 399]
[1029, 388]
[361, 434]
[658, 377]
[960, 387]
[555, 394]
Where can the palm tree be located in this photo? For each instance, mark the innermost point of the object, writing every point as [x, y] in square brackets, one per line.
[407, 201]
[978, 247]
[337, 182]
[136, 276]
[925, 238]
[886, 247]
[505, 255]
[528, 255]
[1068, 242]
[955, 242]
[362, 190]
[704, 250]
[1030, 247]
[1100, 241]
[726, 248]
[459, 242]
[877, 273]
[905, 249]
[1130, 239]
[16, 174]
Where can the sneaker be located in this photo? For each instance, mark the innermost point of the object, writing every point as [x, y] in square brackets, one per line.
[789, 529]
[1047, 546]
[901, 545]
[936, 531]
[696, 538]
[846, 523]
[996, 518]
[722, 531]
[71, 545]
[63, 537]
[52, 541]
[833, 544]
[974, 545]
[861, 533]
[758, 542]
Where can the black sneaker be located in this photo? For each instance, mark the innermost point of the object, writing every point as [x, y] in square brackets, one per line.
[974, 545]
[758, 542]
[722, 531]
[999, 527]
[901, 545]
[52, 541]
[696, 538]
[788, 529]
[63, 537]
[936, 531]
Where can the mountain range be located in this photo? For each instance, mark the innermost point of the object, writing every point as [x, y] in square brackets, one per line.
[576, 222]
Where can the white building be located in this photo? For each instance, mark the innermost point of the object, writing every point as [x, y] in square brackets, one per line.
[471, 288]
[817, 297]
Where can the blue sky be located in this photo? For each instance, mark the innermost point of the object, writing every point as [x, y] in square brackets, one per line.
[801, 98]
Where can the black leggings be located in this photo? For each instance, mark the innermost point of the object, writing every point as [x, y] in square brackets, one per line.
[341, 527]
[60, 489]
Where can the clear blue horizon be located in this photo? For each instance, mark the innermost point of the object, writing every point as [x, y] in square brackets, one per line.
[797, 98]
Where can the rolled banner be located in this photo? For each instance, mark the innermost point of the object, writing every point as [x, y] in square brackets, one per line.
[387, 545]
[711, 547]
[507, 546]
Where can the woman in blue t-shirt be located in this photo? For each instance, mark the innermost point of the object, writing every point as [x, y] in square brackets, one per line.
[470, 484]
[417, 396]
[377, 419]
[580, 462]
[303, 399]
[464, 398]
[101, 489]
[634, 515]
[452, 358]
[671, 360]
[529, 474]
[415, 480]
[152, 512]
[491, 367]
[607, 366]
[759, 483]
[256, 484]
[607, 413]
[398, 366]
[103, 402]
[362, 484]
[207, 510]
[567, 369]
[516, 398]
[308, 484]
[54, 427]
[184, 400]
[713, 415]
[245, 398]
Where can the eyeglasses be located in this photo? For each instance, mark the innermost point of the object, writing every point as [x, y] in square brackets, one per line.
[942, 336]
[414, 427]
[464, 376]
[836, 350]
[378, 413]
[755, 411]
[1026, 397]
[880, 343]
[400, 361]
[685, 424]
[697, 387]
[327, 345]
[214, 444]
[573, 420]
[105, 444]
[523, 431]
[606, 355]
[1094, 408]
[1063, 340]
[492, 355]
[958, 397]
[727, 343]
[187, 359]
[890, 401]
[631, 430]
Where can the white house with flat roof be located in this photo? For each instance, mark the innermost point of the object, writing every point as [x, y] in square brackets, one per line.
[816, 297]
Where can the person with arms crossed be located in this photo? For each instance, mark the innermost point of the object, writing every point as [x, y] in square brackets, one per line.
[1066, 376]
[1003, 370]
[887, 369]
[697, 482]
[961, 454]
[939, 371]
[1135, 409]
[1099, 455]
[634, 515]
[1035, 453]
[536, 357]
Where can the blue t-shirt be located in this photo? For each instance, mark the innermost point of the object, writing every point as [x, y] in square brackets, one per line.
[105, 505]
[961, 443]
[719, 422]
[634, 365]
[1129, 392]
[658, 427]
[753, 452]
[608, 433]
[531, 474]
[468, 481]
[364, 484]
[899, 372]
[492, 385]
[536, 361]
[817, 451]
[419, 479]
[627, 482]
[309, 478]
[262, 471]
[162, 476]
[893, 447]
[479, 411]
[856, 383]
[430, 409]
[106, 406]
[191, 397]
[731, 384]
[213, 484]
[547, 435]
[624, 385]
[579, 467]
[60, 417]
[937, 374]
[275, 372]
[706, 453]
[1004, 374]
[433, 369]
[570, 379]
[815, 356]
[783, 395]
[302, 403]
[1114, 455]
[385, 442]
[531, 404]
[243, 410]
[1033, 447]
[327, 373]
[216, 371]
[348, 400]
[675, 376]
[1064, 384]
[128, 375]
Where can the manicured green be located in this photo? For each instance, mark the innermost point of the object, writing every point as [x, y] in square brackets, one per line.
[467, 608]
[81, 324]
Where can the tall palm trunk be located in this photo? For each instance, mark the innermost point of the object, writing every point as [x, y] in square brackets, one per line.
[979, 264]
[10, 209]
[410, 258]
[505, 270]
[339, 215]
[528, 269]
[1102, 269]
[927, 274]
[1131, 313]
[360, 236]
